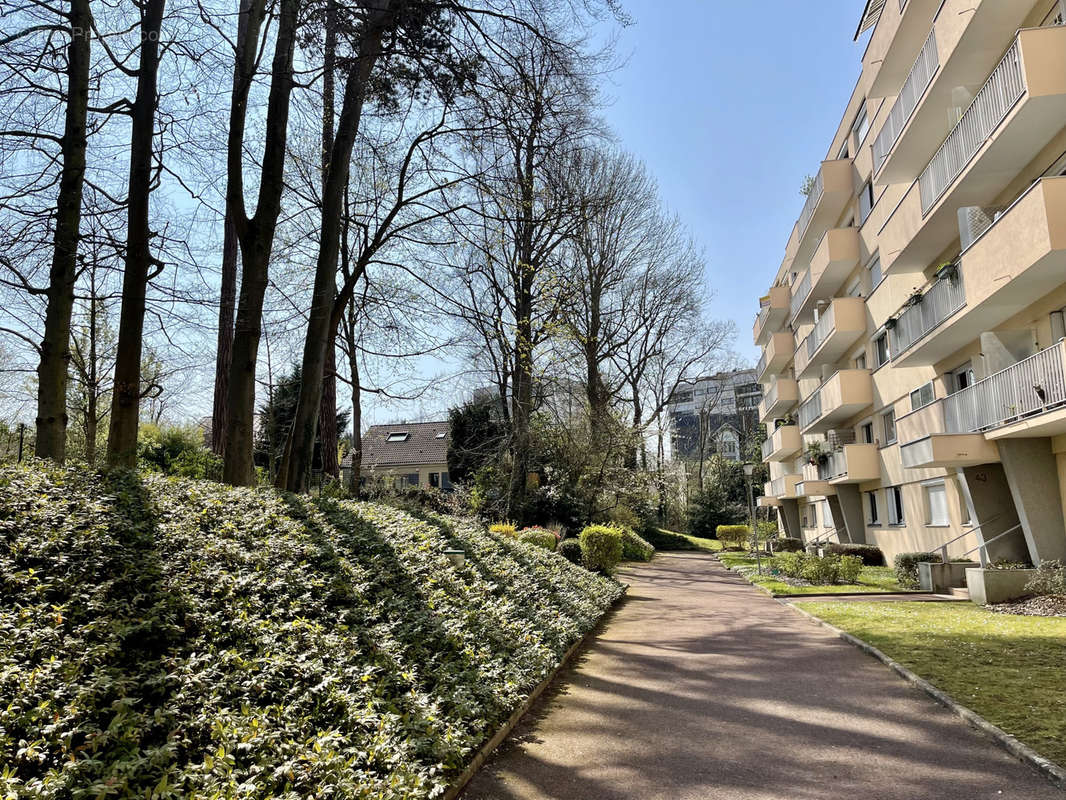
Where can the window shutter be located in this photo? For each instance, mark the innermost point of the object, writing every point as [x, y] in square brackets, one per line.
[870, 16]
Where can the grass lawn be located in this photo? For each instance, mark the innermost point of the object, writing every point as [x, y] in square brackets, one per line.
[710, 545]
[872, 580]
[1007, 668]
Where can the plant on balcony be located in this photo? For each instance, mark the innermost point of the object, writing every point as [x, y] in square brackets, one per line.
[949, 270]
[915, 298]
[890, 323]
[816, 456]
[788, 420]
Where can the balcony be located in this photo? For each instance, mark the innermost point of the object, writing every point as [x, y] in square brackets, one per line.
[835, 257]
[1016, 257]
[834, 188]
[926, 442]
[784, 488]
[841, 325]
[773, 313]
[782, 444]
[852, 463]
[1014, 116]
[925, 312]
[776, 355]
[812, 485]
[918, 80]
[965, 43]
[844, 395]
[894, 44]
[779, 399]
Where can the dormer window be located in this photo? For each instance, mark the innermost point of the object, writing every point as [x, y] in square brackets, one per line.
[398, 436]
[441, 435]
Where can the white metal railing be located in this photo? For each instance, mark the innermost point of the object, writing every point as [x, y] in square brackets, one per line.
[811, 410]
[975, 220]
[768, 447]
[835, 467]
[760, 368]
[813, 199]
[779, 486]
[943, 299]
[822, 329]
[800, 292]
[1003, 89]
[921, 75]
[770, 398]
[1032, 386]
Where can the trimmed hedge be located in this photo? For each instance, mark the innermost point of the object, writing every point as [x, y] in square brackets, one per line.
[634, 548]
[734, 535]
[172, 638]
[871, 555]
[906, 566]
[786, 545]
[601, 548]
[570, 549]
[819, 571]
[667, 541]
[539, 537]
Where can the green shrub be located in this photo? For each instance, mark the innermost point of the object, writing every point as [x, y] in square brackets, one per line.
[171, 638]
[850, 567]
[667, 541]
[767, 530]
[870, 554]
[821, 570]
[539, 537]
[790, 563]
[570, 549]
[786, 545]
[634, 548]
[1050, 579]
[734, 535]
[601, 548]
[906, 566]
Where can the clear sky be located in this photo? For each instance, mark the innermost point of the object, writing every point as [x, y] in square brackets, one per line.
[731, 104]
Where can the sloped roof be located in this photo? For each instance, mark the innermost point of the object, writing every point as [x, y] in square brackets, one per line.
[423, 445]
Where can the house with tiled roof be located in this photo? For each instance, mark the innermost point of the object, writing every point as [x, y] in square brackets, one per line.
[407, 454]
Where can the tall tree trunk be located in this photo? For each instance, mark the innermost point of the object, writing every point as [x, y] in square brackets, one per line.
[126, 397]
[357, 409]
[92, 379]
[51, 440]
[321, 324]
[226, 309]
[521, 398]
[255, 235]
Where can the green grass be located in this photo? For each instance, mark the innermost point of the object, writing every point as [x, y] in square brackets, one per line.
[1007, 668]
[710, 545]
[872, 580]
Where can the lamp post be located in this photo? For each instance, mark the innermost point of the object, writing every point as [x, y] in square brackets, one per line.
[749, 470]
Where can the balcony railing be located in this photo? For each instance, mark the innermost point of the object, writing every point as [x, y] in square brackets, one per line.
[945, 297]
[770, 398]
[760, 368]
[813, 199]
[1031, 386]
[921, 75]
[834, 467]
[975, 220]
[811, 410]
[800, 292]
[768, 447]
[1003, 89]
[821, 331]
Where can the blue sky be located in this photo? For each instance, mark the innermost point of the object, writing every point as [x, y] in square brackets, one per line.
[730, 109]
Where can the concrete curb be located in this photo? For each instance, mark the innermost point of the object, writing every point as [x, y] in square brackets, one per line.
[1049, 769]
[508, 727]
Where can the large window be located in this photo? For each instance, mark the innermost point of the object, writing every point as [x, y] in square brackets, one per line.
[894, 498]
[866, 202]
[881, 349]
[888, 425]
[867, 430]
[923, 396]
[861, 126]
[936, 504]
[874, 268]
[827, 515]
[873, 514]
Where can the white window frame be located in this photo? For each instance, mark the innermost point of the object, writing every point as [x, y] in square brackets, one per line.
[924, 398]
[873, 508]
[880, 275]
[929, 487]
[867, 201]
[897, 513]
[861, 126]
[882, 337]
[886, 417]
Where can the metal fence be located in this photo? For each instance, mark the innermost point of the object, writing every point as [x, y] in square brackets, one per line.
[1003, 89]
[835, 467]
[768, 448]
[823, 328]
[921, 75]
[1033, 385]
[811, 410]
[800, 292]
[813, 199]
[945, 297]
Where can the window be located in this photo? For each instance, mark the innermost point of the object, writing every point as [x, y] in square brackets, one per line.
[1058, 324]
[866, 201]
[445, 481]
[868, 433]
[399, 436]
[871, 505]
[936, 504]
[888, 425]
[881, 349]
[861, 126]
[434, 480]
[827, 515]
[412, 478]
[923, 396]
[961, 378]
[894, 498]
[855, 290]
[860, 361]
[874, 268]
[843, 150]
[441, 435]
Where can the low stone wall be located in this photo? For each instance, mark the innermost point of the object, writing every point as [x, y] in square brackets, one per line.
[997, 585]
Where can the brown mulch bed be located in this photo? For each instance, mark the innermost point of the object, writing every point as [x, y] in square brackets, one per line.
[1046, 606]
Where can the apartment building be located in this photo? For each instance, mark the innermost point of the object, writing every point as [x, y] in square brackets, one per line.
[716, 413]
[914, 361]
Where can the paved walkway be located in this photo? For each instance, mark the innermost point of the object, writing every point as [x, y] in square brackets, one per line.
[700, 686]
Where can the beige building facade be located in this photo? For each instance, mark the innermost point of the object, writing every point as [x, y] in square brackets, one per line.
[914, 360]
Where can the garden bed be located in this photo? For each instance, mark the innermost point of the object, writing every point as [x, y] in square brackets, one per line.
[177, 638]
[871, 580]
[1006, 668]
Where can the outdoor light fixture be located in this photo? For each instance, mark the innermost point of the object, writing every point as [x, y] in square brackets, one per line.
[749, 470]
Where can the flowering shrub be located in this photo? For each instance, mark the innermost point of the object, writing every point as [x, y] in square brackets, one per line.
[170, 638]
[504, 529]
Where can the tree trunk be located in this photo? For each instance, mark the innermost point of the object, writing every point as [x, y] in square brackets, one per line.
[255, 235]
[521, 399]
[321, 325]
[224, 357]
[51, 440]
[126, 396]
[92, 379]
[357, 410]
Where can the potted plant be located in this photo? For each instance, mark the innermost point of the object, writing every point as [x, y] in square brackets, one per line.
[890, 323]
[915, 298]
[816, 456]
[948, 270]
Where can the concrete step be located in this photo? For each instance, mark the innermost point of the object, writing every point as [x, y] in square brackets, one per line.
[960, 592]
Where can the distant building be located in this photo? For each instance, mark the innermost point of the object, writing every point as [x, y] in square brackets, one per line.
[719, 410]
[406, 454]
